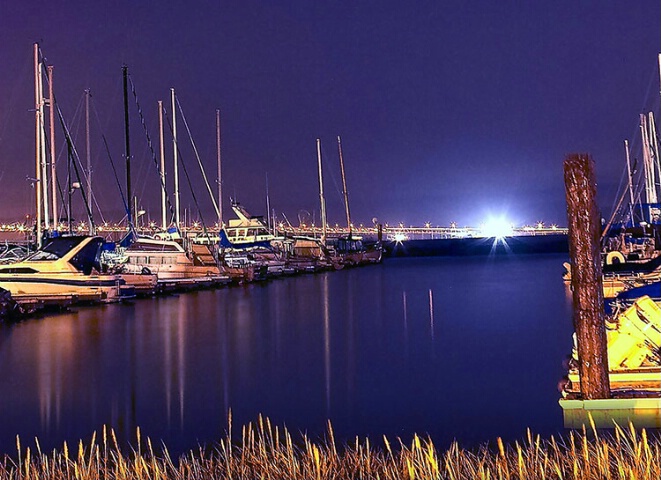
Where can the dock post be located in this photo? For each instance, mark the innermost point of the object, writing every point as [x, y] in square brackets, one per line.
[586, 277]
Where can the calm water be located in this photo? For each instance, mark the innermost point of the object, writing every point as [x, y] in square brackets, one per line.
[465, 348]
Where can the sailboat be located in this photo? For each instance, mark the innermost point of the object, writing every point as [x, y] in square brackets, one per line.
[164, 256]
[64, 269]
[351, 249]
[246, 242]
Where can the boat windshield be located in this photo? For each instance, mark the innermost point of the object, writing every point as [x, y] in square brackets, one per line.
[88, 258]
[55, 249]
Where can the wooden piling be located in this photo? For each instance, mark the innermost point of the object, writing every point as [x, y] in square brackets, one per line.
[587, 283]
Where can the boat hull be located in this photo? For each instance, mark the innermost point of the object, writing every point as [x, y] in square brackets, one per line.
[101, 288]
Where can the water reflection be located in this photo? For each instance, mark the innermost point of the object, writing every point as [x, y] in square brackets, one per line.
[431, 314]
[327, 341]
[360, 346]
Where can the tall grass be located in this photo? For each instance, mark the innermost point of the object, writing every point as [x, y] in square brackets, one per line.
[269, 452]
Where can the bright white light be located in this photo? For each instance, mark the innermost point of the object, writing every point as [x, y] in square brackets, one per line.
[497, 227]
[400, 237]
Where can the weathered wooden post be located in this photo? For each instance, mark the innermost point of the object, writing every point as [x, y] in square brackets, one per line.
[586, 278]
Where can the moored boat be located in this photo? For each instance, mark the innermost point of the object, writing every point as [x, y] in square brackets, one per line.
[66, 268]
[168, 260]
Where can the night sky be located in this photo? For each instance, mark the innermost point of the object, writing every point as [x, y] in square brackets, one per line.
[449, 111]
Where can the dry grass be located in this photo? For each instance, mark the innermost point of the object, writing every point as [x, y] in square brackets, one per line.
[268, 452]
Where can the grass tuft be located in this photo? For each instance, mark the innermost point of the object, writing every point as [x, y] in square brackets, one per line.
[268, 452]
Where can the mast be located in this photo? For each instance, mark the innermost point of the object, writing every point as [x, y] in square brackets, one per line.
[650, 193]
[344, 185]
[88, 153]
[42, 146]
[162, 172]
[321, 196]
[630, 180]
[654, 147]
[220, 182]
[38, 141]
[51, 103]
[69, 185]
[127, 146]
[268, 204]
[176, 166]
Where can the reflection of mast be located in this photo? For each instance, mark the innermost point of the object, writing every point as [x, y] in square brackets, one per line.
[344, 185]
[327, 366]
[225, 359]
[168, 366]
[181, 357]
[431, 314]
[321, 195]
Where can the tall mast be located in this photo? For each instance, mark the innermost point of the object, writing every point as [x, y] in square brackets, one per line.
[650, 193]
[659, 74]
[88, 154]
[38, 141]
[127, 146]
[220, 177]
[53, 176]
[176, 166]
[162, 172]
[344, 185]
[42, 145]
[268, 204]
[321, 196]
[630, 181]
[654, 147]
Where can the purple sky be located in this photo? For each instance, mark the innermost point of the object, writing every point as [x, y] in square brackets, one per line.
[448, 110]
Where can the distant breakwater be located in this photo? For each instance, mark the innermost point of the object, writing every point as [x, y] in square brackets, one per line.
[524, 244]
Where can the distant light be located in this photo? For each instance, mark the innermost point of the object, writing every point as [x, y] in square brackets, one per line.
[400, 237]
[497, 227]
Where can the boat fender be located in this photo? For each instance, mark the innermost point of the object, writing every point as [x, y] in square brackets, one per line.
[614, 257]
[145, 271]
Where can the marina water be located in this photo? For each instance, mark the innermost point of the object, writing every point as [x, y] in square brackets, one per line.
[467, 348]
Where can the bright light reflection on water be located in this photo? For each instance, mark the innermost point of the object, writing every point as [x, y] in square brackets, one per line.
[468, 348]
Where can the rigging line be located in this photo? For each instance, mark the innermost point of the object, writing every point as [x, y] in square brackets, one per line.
[75, 167]
[337, 186]
[622, 187]
[76, 162]
[69, 142]
[190, 185]
[151, 146]
[197, 156]
[78, 120]
[117, 181]
[63, 201]
[72, 147]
